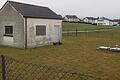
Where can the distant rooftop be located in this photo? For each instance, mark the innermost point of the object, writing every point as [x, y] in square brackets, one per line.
[103, 18]
[72, 16]
[92, 18]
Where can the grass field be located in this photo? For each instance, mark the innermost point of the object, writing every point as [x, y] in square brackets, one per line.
[80, 26]
[76, 52]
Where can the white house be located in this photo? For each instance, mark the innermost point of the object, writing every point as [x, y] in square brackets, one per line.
[71, 18]
[90, 20]
[26, 26]
[116, 22]
[105, 22]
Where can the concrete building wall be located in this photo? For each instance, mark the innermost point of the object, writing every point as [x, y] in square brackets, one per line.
[36, 41]
[10, 17]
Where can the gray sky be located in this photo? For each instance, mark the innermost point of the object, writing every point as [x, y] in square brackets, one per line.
[81, 8]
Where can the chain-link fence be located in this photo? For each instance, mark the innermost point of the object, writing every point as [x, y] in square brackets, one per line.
[12, 69]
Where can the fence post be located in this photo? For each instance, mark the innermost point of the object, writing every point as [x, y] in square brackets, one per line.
[76, 32]
[68, 32]
[3, 68]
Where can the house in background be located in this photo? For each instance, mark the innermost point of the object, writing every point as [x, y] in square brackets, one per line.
[71, 18]
[27, 26]
[90, 20]
[116, 22]
[105, 21]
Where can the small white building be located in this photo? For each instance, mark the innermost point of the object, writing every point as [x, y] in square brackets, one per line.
[116, 22]
[105, 22]
[27, 26]
[71, 18]
[90, 20]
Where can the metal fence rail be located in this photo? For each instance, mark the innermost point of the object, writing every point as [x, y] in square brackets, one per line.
[19, 70]
[76, 31]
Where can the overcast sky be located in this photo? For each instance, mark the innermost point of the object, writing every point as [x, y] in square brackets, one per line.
[81, 8]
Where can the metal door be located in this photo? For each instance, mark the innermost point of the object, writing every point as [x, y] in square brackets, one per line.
[56, 37]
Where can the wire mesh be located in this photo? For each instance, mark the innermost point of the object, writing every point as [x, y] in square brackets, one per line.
[20, 70]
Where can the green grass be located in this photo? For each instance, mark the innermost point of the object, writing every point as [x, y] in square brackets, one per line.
[80, 26]
[76, 52]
